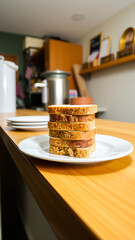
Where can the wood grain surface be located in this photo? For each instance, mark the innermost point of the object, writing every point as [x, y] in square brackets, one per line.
[102, 196]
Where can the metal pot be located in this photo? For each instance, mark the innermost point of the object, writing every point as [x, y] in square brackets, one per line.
[56, 87]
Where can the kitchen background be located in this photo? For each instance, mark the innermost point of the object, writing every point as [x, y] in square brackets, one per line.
[112, 88]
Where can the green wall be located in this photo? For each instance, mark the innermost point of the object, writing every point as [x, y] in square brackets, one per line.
[12, 44]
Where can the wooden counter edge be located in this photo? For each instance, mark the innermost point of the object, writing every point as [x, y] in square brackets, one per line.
[62, 219]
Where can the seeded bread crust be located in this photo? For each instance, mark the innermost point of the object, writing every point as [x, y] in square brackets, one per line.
[73, 152]
[58, 142]
[72, 135]
[71, 118]
[72, 109]
[76, 126]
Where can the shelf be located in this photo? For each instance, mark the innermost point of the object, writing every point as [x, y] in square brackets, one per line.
[35, 92]
[38, 77]
[38, 57]
[114, 63]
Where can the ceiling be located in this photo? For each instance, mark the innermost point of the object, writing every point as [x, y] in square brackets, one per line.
[54, 17]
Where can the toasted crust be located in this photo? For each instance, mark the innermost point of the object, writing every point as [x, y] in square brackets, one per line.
[72, 109]
[73, 152]
[72, 135]
[58, 142]
[71, 118]
[76, 126]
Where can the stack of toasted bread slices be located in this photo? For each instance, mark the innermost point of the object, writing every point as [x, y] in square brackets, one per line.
[72, 130]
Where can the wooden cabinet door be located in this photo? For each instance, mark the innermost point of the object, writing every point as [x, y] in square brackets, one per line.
[12, 58]
[62, 55]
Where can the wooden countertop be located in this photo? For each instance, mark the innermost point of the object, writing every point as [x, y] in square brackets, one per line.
[80, 201]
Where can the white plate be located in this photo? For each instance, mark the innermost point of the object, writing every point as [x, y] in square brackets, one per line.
[107, 148]
[28, 119]
[41, 127]
[28, 124]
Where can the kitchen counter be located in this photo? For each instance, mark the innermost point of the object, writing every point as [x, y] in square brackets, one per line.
[83, 201]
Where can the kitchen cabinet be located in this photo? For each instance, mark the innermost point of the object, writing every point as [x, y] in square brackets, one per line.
[12, 58]
[33, 68]
[34, 96]
[62, 55]
[53, 55]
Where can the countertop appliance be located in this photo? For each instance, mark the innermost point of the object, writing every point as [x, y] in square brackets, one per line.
[55, 88]
[7, 85]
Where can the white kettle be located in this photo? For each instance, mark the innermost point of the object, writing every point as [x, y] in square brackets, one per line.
[7, 85]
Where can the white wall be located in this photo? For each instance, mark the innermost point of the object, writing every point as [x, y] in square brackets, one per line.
[113, 88]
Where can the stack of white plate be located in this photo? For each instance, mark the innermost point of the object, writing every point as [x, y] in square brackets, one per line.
[28, 122]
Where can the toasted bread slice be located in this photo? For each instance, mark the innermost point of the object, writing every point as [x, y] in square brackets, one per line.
[76, 126]
[72, 109]
[72, 135]
[58, 142]
[71, 118]
[73, 152]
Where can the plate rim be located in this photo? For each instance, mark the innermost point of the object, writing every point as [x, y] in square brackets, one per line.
[12, 119]
[29, 127]
[90, 160]
[27, 124]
